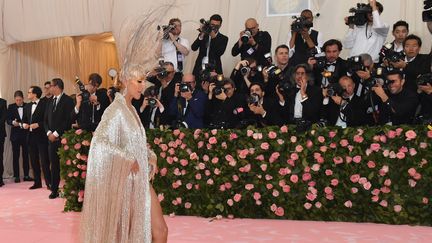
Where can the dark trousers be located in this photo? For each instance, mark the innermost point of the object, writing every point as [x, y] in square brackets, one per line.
[16, 149]
[39, 155]
[2, 140]
[55, 164]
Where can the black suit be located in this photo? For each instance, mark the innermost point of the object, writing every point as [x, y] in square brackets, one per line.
[302, 50]
[340, 69]
[217, 49]
[311, 107]
[272, 117]
[420, 65]
[3, 112]
[18, 138]
[38, 141]
[57, 119]
[354, 112]
[399, 109]
[263, 40]
[220, 113]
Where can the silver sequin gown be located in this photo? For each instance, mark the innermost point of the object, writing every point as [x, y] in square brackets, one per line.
[116, 202]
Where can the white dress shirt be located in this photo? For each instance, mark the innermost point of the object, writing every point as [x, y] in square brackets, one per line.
[318, 47]
[169, 51]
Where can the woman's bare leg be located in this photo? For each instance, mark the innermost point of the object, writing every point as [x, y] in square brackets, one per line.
[158, 225]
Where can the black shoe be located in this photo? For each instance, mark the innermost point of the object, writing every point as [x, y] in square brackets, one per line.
[49, 187]
[17, 180]
[35, 186]
[53, 195]
[28, 178]
[1, 183]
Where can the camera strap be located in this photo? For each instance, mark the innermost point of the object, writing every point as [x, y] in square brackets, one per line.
[179, 58]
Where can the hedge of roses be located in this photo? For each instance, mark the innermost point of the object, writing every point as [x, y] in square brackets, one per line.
[380, 174]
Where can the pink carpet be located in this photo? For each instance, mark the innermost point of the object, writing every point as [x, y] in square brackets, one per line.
[29, 216]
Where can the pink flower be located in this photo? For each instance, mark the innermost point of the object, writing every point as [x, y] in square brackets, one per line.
[164, 147]
[188, 205]
[272, 135]
[298, 148]
[83, 174]
[230, 202]
[189, 186]
[75, 174]
[391, 134]
[337, 160]
[367, 185]
[358, 139]
[375, 147]
[198, 176]
[64, 141]
[279, 212]
[78, 132]
[355, 178]
[354, 190]
[280, 141]
[257, 136]
[417, 176]
[383, 203]
[210, 182]
[410, 134]
[318, 204]
[357, 159]
[412, 151]
[237, 197]
[228, 185]
[321, 139]
[294, 178]
[429, 134]
[371, 164]
[294, 156]
[309, 143]
[383, 138]
[284, 129]
[207, 172]
[286, 188]
[68, 162]
[212, 140]
[265, 146]
[334, 182]
[348, 204]
[323, 149]
[400, 155]
[256, 195]
[243, 153]
[184, 162]
[311, 196]
[200, 144]
[193, 156]
[328, 190]
[387, 182]
[249, 133]
[268, 177]
[263, 167]
[412, 183]
[273, 207]
[293, 139]
[66, 147]
[375, 192]
[216, 171]
[315, 167]
[269, 186]
[86, 143]
[249, 187]
[328, 172]
[332, 134]
[235, 177]
[306, 176]
[375, 198]
[163, 171]
[215, 160]
[412, 171]
[222, 188]
[229, 157]
[425, 200]
[275, 193]
[233, 136]
[385, 189]
[307, 205]
[397, 208]
[343, 142]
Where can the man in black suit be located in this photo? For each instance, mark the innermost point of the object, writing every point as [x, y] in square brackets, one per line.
[344, 109]
[149, 108]
[57, 120]
[302, 103]
[18, 136]
[3, 115]
[256, 45]
[414, 63]
[33, 121]
[218, 43]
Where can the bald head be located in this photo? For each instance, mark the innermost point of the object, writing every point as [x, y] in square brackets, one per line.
[189, 79]
[252, 25]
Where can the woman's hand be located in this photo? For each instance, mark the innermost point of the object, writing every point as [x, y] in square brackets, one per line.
[135, 167]
[152, 159]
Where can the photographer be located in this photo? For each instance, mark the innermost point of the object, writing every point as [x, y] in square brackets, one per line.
[244, 73]
[302, 38]
[278, 73]
[211, 44]
[90, 103]
[344, 108]
[174, 48]
[224, 108]
[188, 104]
[151, 109]
[414, 63]
[361, 69]
[252, 43]
[425, 97]
[303, 102]
[400, 32]
[329, 68]
[367, 33]
[398, 105]
[263, 111]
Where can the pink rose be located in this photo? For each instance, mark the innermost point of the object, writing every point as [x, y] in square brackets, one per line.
[284, 129]
[329, 196]
[328, 190]
[257, 136]
[184, 162]
[78, 132]
[263, 167]
[383, 138]
[425, 200]
[200, 144]
[206, 158]
[293, 139]
[311, 183]
[229, 157]
[75, 174]
[298, 148]
[387, 182]
[210, 182]
[337, 160]
[318, 204]
[83, 175]
[332, 134]
[307, 205]
[400, 155]
[237, 197]
[188, 205]
[249, 133]
[383, 203]
[367, 185]
[189, 186]
[230, 202]
[362, 180]
[328, 172]
[222, 188]
[417, 176]
[269, 186]
[207, 172]
[249, 187]
[273, 207]
[320, 160]
[412, 171]
[198, 176]
[311, 196]
[286, 188]
[215, 160]
[68, 162]
[275, 193]
[268, 177]
[315, 167]
[397, 208]
[323, 149]
[306, 176]
[412, 183]
[334, 182]
[86, 143]
[309, 143]
[233, 136]
[410, 134]
[66, 147]
[265, 146]
[358, 139]
[256, 195]
[243, 153]
[412, 151]
[193, 156]
[354, 190]
[348, 159]
[294, 156]
[294, 178]
[375, 198]
[163, 171]
[357, 159]
[385, 190]
[355, 178]
[429, 134]
[321, 139]
[212, 140]
[216, 171]
[376, 192]
[391, 134]
[279, 212]
[64, 141]
[272, 135]
[375, 147]
[348, 204]
[343, 142]
[371, 164]
[280, 141]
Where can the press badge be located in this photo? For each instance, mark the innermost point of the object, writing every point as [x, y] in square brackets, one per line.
[250, 51]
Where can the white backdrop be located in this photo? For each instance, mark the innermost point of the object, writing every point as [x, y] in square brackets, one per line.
[33, 20]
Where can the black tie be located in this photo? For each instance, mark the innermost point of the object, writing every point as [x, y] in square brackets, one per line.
[34, 103]
[54, 103]
[179, 58]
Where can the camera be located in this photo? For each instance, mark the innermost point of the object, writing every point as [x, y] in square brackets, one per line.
[219, 89]
[253, 99]
[166, 29]
[387, 53]
[205, 72]
[427, 13]
[321, 61]
[300, 23]
[355, 64]
[334, 89]
[185, 87]
[273, 71]
[424, 79]
[378, 81]
[206, 27]
[360, 16]
[246, 36]
[179, 124]
[244, 70]
[285, 86]
[152, 102]
[161, 72]
[84, 93]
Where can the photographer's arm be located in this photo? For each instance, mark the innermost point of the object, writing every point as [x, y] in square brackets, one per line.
[197, 43]
[182, 46]
[218, 49]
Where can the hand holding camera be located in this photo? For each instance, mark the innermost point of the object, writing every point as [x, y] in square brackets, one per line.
[257, 109]
[363, 74]
[378, 89]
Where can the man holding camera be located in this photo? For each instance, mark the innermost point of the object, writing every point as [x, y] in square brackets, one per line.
[91, 103]
[244, 73]
[274, 74]
[224, 108]
[303, 40]
[302, 102]
[398, 105]
[344, 108]
[174, 48]
[414, 63]
[425, 98]
[151, 108]
[188, 104]
[253, 43]
[367, 33]
[329, 68]
[211, 44]
[263, 111]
